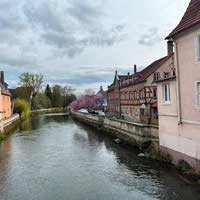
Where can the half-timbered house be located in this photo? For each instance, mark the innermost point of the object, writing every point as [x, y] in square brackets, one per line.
[134, 96]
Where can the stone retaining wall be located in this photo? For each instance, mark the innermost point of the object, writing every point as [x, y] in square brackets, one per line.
[5, 123]
[133, 133]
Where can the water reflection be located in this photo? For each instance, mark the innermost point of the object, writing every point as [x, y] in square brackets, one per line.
[52, 157]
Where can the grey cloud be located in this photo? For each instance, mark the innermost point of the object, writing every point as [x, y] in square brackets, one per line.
[10, 17]
[151, 37]
[84, 11]
[14, 57]
[74, 27]
[31, 31]
[43, 14]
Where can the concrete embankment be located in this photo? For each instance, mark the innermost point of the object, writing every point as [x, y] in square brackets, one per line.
[8, 124]
[132, 133]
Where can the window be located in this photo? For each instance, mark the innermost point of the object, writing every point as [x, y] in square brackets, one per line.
[166, 74]
[198, 93]
[166, 93]
[198, 48]
[155, 93]
[156, 76]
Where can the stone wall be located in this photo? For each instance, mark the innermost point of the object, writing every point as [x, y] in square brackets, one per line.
[7, 123]
[135, 134]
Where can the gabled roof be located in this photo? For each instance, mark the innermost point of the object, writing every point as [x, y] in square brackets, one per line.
[142, 75]
[4, 90]
[122, 77]
[145, 73]
[190, 18]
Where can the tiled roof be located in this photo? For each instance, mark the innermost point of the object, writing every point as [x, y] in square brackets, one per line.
[122, 77]
[4, 90]
[145, 73]
[190, 18]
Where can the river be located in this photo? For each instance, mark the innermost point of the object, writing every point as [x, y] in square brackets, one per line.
[51, 157]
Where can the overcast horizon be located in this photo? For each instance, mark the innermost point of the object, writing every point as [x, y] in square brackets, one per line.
[82, 43]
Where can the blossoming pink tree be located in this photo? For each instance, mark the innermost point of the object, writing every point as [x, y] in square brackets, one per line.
[87, 101]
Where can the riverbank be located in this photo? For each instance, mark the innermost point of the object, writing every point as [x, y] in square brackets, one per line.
[8, 125]
[142, 136]
[134, 134]
[48, 111]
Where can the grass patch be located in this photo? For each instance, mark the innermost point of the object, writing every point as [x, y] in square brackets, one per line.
[48, 111]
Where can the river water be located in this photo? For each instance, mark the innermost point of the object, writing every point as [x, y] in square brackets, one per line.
[52, 157]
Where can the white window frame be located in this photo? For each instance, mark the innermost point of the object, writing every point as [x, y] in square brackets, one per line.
[197, 41]
[168, 100]
[197, 95]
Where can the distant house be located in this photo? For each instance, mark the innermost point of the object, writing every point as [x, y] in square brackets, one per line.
[178, 81]
[103, 104]
[134, 96]
[113, 96]
[5, 98]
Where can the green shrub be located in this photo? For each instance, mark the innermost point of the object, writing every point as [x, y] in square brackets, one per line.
[22, 108]
[183, 166]
[2, 137]
[41, 101]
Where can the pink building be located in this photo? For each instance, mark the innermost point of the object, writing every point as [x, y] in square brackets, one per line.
[178, 81]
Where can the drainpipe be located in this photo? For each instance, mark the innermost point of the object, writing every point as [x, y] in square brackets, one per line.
[120, 109]
[178, 86]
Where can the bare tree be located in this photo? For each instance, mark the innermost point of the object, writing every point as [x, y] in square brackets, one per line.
[31, 82]
[68, 95]
[67, 90]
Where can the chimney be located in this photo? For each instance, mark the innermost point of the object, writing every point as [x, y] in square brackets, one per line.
[135, 69]
[2, 77]
[170, 47]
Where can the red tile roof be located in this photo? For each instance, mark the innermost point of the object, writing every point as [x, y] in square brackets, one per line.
[4, 90]
[122, 77]
[145, 73]
[190, 18]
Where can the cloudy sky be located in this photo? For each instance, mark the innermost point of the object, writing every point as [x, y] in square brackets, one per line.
[82, 42]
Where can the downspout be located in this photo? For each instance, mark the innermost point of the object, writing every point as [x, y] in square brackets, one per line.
[120, 109]
[178, 86]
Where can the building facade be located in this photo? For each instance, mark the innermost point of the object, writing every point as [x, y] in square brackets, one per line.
[102, 104]
[113, 96]
[179, 91]
[134, 96]
[5, 99]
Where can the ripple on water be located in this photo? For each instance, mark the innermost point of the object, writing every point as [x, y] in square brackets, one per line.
[55, 158]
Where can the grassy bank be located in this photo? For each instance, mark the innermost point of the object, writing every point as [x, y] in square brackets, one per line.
[48, 111]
